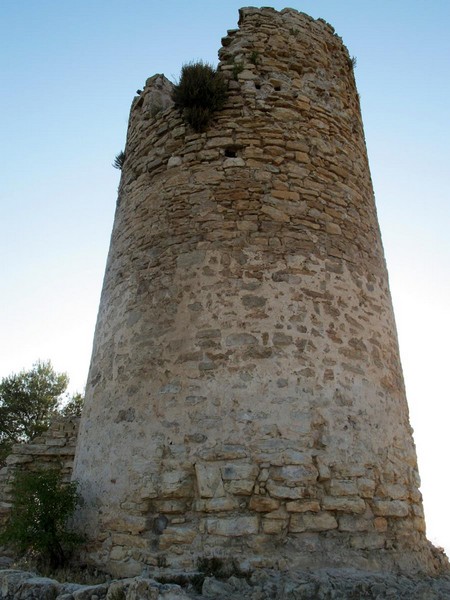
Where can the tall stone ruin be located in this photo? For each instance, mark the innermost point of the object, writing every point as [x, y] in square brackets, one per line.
[245, 396]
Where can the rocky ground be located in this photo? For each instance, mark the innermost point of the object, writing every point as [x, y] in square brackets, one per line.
[261, 585]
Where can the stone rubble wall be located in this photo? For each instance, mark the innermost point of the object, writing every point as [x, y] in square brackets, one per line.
[245, 396]
[53, 449]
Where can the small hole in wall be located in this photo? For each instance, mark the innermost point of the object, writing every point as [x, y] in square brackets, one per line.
[230, 152]
[277, 88]
[258, 86]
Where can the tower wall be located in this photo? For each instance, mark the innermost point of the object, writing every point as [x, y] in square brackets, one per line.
[245, 396]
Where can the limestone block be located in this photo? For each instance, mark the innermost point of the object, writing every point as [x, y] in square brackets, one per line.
[366, 487]
[56, 442]
[131, 541]
[415, 495]
[419, 524]
[223, 452]
[390, 508]
[295, 474]
[176, 484]
[240, 487]
[369, 541]
[233, 162]
[209, 480]
[275, 213]
[303, 506]
[333, 228]
[273, 526]
[380, 524]
[263, 475]
[149, 490]
[232, 527]
[396, 491]
[344, 504]
[295, 457]
[176, 535]
[241, 339]
[222, 142]
[221, 504]
[149, 589]
[324, 470]
[174, 161]
[239, 479]
[343, 487]
[352, 523]
[263, 503]
[284, 492]
[347, 470]
[126, 524]
[117, 553]
[239, 471]
[312, 522]
[170, 506]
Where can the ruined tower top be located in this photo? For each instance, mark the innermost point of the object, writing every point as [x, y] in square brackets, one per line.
[245, 395]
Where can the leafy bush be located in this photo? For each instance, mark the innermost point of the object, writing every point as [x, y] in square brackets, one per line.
[201, 91]
[41, 505]
[28, 401]
[254, 57]
[238, 67]
[74, 406]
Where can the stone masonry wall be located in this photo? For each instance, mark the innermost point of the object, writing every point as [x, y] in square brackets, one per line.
[245, 396]
[54, 449]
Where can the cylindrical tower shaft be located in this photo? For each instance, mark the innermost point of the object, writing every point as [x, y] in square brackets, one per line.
[245, 396]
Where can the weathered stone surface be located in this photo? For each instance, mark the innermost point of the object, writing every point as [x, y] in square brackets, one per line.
[283, 492]
[89, 592]
[343, 488]
[366, 487]
[245, 382]
[176, 535]
[347, 504]
[387, 508]
[209, 480]
[263, 503]
[312, 522]
[232, 527]
[273, 526]
[22, 585]
[297, 474]
[303, 506]
[176, 484]
[239, 479]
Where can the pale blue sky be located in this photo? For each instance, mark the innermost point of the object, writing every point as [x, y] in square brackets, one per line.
[69, 71]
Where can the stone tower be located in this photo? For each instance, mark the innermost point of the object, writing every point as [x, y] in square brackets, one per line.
[245, 395]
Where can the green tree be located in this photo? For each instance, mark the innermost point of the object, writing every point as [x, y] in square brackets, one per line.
[74, 406]
[28, 400]
[41, 506]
